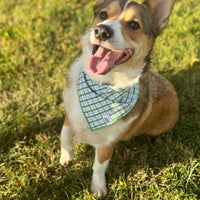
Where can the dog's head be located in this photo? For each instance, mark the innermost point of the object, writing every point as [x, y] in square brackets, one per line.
[124, 32]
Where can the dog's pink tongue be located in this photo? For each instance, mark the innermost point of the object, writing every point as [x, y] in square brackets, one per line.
[102, 61]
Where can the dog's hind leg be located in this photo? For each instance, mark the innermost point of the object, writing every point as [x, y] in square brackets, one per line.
[103, 154]
[66, 143]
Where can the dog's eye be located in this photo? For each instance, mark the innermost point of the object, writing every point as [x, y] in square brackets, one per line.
[134, 25]
[103, 15]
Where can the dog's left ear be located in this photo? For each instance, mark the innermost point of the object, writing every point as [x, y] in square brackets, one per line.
[160, 11]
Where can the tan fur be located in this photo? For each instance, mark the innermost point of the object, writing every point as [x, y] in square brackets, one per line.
[159, 110]
[105, 152]
[144, 43]
[132, 14]
[66, 122]
[68, 82]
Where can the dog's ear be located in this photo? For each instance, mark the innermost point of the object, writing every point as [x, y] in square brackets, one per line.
[160, 11]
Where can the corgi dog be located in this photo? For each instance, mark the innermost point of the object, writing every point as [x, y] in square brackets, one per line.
[110, 94]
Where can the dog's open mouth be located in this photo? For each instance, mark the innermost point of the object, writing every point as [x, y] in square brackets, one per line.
[104, 59]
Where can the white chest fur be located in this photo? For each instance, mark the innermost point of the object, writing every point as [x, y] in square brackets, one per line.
[78, 121]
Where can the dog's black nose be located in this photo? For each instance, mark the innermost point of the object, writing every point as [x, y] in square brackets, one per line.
[103, 32]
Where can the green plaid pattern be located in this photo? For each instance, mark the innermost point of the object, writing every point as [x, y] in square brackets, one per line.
[101, 104]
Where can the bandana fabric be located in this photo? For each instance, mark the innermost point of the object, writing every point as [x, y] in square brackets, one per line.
[101, 104]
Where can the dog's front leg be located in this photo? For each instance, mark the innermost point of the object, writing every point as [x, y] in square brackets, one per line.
[66, 143]
[103, 154]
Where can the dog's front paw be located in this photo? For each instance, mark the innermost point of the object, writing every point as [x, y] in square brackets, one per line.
[66, 157]
[98, 186]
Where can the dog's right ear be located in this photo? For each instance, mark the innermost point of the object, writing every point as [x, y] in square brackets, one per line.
[160, 11]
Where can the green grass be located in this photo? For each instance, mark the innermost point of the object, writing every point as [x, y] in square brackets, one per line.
[39, 39]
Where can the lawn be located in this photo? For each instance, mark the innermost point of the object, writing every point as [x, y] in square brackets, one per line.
[39, 39]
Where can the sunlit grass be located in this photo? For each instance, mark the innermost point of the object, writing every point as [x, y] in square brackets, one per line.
[38, 41]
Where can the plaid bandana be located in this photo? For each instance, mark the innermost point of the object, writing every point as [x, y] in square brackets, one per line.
[101, 104]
